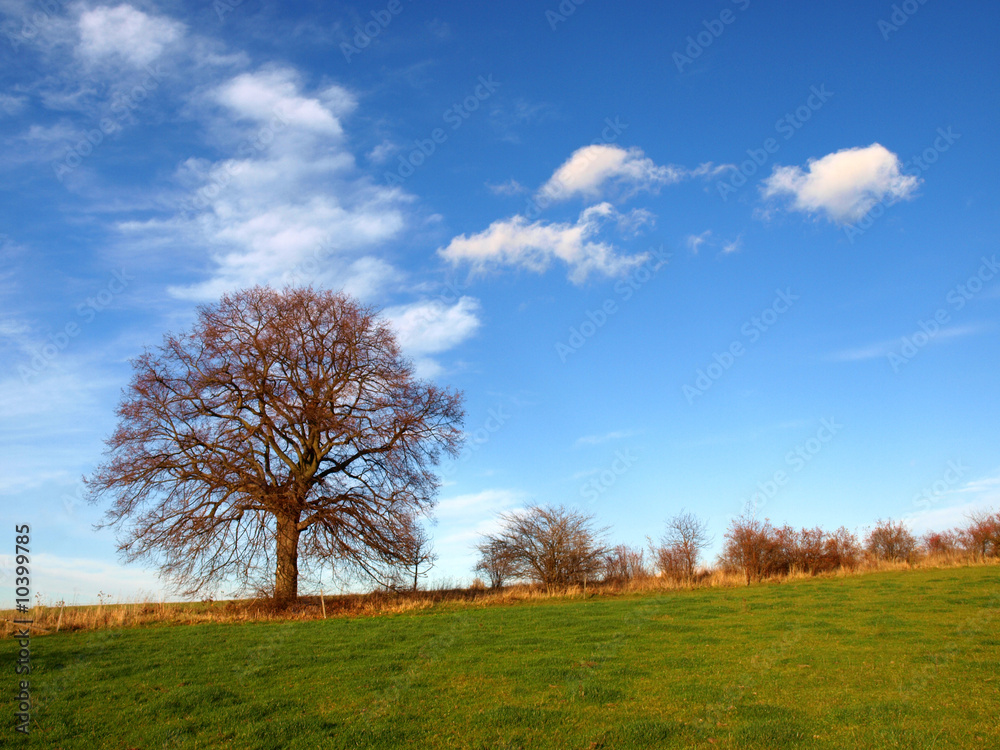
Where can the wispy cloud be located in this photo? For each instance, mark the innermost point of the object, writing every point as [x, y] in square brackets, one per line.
[507, 118]
[893, 346]
[954, 506]
[479, 503]
[733, 246]
[81, 579]
[510, 187]
[707, 239]
[695, 241]
[288, 205]
[605, 438]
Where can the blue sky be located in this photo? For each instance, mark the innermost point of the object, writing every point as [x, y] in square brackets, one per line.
[676, 257]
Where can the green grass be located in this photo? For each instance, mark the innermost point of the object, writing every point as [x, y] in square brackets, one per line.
[887, 660]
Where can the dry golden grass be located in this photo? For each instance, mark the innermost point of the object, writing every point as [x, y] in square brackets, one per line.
[51, 619]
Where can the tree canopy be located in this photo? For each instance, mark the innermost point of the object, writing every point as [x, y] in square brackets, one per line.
[285, 428]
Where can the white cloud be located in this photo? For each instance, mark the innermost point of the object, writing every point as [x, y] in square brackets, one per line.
[598, 439]
[534, 245]
[125, 33]
[290, 205]
[601, 169]
[431, 327]
[381, 153]
[843, 185]
[262, 95]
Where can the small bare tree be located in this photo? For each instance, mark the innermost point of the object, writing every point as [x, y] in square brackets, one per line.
[420, 557]
[554, 546]
[890, 540]
[686, 537]
[496, 562]
[286, 427]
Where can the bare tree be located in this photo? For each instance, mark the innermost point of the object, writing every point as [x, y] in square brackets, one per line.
[890, 540]
[686, 537]
[554, 546]
[623, 564]
[496, 562]
[420, 556]
[286, 427]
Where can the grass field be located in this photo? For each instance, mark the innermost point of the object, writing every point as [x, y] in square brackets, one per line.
[886, 660]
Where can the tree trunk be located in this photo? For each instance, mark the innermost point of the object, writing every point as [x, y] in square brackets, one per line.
[286, 583]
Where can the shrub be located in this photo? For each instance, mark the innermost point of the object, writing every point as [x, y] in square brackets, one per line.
[843, 550]
[623, 564]
[757, 549]
[750, 548]
[891, 540]
[941, 542]
[669, 563]
[981, 538]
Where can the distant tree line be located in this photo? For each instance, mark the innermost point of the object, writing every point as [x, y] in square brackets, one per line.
[559, 547]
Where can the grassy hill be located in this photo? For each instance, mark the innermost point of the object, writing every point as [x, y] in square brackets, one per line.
[886, 660]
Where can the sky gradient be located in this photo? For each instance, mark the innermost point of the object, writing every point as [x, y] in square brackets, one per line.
[676, 257]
